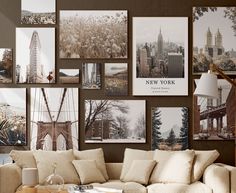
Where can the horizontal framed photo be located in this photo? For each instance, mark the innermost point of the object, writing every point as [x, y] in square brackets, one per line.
[6, 65]
[13, 127]
[160, 56]
[93, 34]
[115, 121]
[69, 76]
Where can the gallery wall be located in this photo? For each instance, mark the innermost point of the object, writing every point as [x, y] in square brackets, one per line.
[10, 14]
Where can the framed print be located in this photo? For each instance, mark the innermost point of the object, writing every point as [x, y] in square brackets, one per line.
[38, 11]
[116, 79]
[93, 34]
[115, 121]
[69, 76]
[54, 118]
[91, 76]
[13, 127]
[35, 55]
[160, 56]
[214, 119]
[6, 65]
[170, 133]
[214, 39]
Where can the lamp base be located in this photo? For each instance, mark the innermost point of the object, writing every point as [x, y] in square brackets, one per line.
[29, 189]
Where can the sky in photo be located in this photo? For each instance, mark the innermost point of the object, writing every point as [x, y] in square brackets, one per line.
[2, 51]
[113, 68]
[38, 6]
[173, 29]
[70, 72]
[214, 21]
[47, 40]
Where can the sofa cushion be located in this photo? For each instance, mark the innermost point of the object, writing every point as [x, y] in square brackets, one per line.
[93, 154]
[46, 159]
[201, 161]
[140, 171]
[172, 167]
[24, 159]
[196, 187]
[133, 154]
[127, 187]
[88, 171]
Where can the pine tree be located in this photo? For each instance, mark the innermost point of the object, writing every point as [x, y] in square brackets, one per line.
[156, 124]
[171, 140]
[184, 128]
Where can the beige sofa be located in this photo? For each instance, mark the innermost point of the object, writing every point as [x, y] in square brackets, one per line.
[216, 178]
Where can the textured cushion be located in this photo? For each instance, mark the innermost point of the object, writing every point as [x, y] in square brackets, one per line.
[201, 161]
[172, 167]
[24, 159]
[127, 187]
[88, 171]
[140, 171]
[131, 155]
[196, 187]
[63, 159]
[93, 154]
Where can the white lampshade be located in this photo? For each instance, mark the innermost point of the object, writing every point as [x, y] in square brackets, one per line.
[207, 86]
[29, 176]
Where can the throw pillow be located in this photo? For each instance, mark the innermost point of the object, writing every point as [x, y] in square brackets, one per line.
[201, 161]
[63, 159]
[172, 167]
[88, 171]
[140, 171]
[133, 154]
[93, 154]
[24, 159]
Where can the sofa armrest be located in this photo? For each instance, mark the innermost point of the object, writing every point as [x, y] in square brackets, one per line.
[217, 178]
[10, 178]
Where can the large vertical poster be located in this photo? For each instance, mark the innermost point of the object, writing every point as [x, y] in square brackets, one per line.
[160, 56]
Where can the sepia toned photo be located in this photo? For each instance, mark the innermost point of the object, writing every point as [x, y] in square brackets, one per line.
[115, 121]
[54, 118]
[214, 119]
[35, 55]
[214, 39]
[93, 34]
[38, 11]
[6, 65]
[91, 76]
[160, 52]
[13, 117]
[70, 76]
[170, 128]
[116, 79]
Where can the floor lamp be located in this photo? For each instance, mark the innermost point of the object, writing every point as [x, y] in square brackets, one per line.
[207, 86]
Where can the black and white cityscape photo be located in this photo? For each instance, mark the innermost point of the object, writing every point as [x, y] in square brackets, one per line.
[35, 55]
[91, 76]
[170, 128]
[93, 34]
[214, 38]
[160, 51]
[54, 118]
[13, 117]
[38, 11]
[115, 121]
[6, 65]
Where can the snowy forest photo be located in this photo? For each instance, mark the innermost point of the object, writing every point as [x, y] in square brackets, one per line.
[115, 121]
[170, 134]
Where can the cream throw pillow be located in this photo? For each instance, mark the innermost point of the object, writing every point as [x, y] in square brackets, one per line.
[172, 167]
[63, 159]
[201, 161]
[24, 159]
[133, 154]
[88, 171]
[93, 154]
[140, 171]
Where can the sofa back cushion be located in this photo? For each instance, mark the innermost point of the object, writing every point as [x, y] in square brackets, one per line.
[114, 170]
[63, 159]
[93, 154]
[24, 159]
[133, 154]
[201, 161]
[172, 167]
